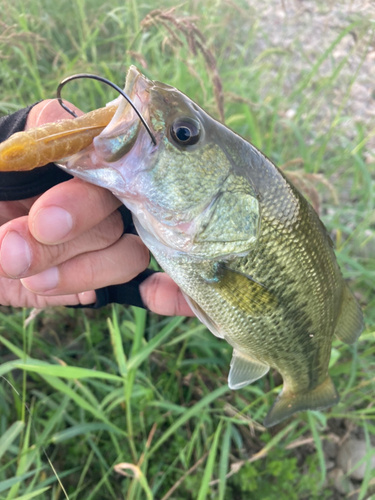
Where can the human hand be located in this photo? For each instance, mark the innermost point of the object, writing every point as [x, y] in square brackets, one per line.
[58, 248]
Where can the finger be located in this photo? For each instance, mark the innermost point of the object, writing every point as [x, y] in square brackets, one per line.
[21, 255]
[116, 264]
[13, 293]
[48, 111]
[69, 209]
[161, 295]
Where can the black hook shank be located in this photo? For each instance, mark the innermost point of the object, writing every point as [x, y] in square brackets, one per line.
[111, 84]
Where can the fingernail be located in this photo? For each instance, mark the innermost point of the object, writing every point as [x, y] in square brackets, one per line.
[15, 255]
[52, 224]
[42, 282]
[86, 298]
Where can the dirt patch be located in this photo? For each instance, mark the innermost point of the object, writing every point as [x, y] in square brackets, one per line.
[306, 30]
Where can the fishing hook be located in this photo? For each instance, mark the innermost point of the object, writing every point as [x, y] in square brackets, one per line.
[111, 84]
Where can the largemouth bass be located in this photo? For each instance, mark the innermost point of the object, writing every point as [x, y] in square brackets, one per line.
[249, 252]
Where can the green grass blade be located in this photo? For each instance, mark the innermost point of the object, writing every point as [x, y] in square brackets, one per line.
[68, 372]
[303, 95]
[117, 344]
[224, 460]
[81, 402]
[305, 81]
[10, 435]
[9, 483]
[79, 430]
[33, 494]
[318, 445]
[26, 459]
[140, 325]
[155, 342]
[12, 322]
[194, 411]
[208, 471]
[368, 460]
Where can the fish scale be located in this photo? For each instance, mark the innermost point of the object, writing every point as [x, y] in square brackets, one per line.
[246, 248]
[250, 254]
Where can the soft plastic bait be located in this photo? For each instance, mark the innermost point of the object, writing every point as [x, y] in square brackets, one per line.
[53, 141]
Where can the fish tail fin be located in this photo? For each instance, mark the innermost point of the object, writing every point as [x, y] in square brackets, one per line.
[349, 325]
[288, 403]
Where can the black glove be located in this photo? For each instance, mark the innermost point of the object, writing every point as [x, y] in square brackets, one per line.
[22, 185]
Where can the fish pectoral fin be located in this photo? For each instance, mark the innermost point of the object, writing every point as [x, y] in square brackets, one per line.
[244, 370]
[203, 317]
[288, 403]
[242, 291]
[349, 325]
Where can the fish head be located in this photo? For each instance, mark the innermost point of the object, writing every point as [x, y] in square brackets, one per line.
[183, 190]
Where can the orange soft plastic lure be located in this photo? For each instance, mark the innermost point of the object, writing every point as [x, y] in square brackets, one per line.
[51, 142]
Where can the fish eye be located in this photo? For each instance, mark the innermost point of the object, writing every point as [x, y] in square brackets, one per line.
[185, 131]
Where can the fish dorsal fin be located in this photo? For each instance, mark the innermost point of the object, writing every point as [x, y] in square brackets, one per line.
[349, 325]
[203, 317]
[241, 291]
[287, 403]
[244, 370]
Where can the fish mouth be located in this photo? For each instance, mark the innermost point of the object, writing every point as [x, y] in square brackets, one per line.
[120, 135]
[102, 163]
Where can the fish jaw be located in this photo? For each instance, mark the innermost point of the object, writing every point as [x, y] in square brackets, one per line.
[120, 157]
[115, 156]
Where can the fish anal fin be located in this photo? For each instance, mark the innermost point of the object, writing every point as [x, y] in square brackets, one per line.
[288, 403]
[349, 325]
[203, 317]
[244, 370]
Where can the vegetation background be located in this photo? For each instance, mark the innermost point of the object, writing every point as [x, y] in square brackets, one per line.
[129, 405]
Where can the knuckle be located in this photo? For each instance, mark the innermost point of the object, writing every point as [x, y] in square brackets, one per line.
[79, 274]
[102, 199]
[138, 251]
[108, 231]
[55, 254]
[149, 293]
[144, 256]
[45, 256]
[91, 270]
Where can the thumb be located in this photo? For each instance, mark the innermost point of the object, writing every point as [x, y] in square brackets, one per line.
[48, 111]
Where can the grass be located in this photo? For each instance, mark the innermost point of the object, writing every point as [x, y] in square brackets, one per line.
[135, 406]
